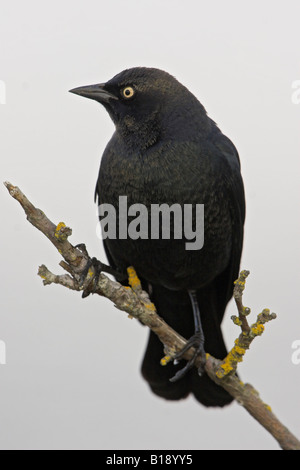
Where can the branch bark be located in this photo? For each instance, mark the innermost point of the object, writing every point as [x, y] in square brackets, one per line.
[137, 304]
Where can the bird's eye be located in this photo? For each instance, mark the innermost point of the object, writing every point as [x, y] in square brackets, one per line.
[128, 92]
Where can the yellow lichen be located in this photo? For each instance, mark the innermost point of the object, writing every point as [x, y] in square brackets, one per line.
[226, 369]
[164, 360]
[58, 228]
[236, 320]
[133, 280]
[257, 329]
[239, 350]
[232, 359]
[268, 407]
[150, 306]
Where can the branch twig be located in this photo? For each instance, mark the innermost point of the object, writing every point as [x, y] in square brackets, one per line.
[242, 343]
[137, 304]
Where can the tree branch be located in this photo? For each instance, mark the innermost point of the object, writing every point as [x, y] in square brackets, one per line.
[137, 304]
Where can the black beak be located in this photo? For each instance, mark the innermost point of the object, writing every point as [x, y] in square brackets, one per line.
[94, 92]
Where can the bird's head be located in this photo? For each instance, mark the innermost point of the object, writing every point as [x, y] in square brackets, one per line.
[143, 102]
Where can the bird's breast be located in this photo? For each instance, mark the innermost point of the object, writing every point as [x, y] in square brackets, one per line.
[166, 176]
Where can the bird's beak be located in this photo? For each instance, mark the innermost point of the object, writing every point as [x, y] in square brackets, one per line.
[94, 92]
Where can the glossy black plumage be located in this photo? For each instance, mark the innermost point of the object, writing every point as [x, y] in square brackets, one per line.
[167, 150]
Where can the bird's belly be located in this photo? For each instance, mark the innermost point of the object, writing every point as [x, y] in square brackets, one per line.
[167, 262]
[170, 262]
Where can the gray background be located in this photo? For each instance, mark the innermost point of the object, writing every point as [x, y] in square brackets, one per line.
[72, 375]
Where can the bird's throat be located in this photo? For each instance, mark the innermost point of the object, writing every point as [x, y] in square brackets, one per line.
[139, 135]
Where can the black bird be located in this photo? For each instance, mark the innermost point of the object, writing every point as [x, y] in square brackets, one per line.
[166, 150]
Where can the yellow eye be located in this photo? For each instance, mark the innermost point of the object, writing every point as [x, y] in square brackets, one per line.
[128, 92]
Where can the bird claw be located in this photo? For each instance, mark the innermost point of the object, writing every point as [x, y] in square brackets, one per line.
[85, 279]
[91, 286]
[196, 341]
[89, 281]
[82, 248]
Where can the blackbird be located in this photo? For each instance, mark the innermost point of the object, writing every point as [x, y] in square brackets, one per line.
[167, 152]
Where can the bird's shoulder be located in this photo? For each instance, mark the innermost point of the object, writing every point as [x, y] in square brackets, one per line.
[185, 166]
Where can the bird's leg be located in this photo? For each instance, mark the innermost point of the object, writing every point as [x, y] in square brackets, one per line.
[196, 341]
[98, 268]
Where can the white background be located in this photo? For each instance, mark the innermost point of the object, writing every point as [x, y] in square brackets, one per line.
[72, 377]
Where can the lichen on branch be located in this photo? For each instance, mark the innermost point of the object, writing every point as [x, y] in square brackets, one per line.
[137, 303]
[248, 333]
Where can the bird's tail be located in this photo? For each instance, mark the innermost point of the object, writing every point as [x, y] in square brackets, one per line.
[175, 308]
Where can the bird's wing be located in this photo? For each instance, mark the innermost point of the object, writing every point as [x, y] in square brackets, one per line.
[225, 281]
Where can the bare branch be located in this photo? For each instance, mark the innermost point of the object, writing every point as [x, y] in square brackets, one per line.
[238, 295]
[249, 398]
[137, 304]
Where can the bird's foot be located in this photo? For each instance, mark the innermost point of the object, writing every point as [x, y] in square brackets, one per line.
[197, 342]
[89, 276]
